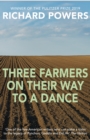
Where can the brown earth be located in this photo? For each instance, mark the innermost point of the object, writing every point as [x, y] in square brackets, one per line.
[44, 115]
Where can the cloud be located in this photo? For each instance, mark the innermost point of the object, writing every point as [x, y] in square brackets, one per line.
[2, 32]
[86, 34]
[57, 29]
[18, 29]
[64, 35]
[19, 35]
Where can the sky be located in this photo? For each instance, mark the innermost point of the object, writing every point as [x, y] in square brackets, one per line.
[47, 36]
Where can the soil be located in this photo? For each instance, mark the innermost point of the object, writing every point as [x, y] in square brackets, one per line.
[63, 116]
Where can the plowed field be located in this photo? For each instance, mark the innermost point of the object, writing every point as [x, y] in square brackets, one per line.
[44, 115]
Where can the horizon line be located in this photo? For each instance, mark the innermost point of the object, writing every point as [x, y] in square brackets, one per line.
[43, 55]
[44, 0]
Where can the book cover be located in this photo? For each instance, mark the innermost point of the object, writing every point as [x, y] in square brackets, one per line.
[44, 70]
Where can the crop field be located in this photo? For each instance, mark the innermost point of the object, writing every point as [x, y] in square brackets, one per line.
[49, 116]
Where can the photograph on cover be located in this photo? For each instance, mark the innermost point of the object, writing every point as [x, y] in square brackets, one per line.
[44, 70]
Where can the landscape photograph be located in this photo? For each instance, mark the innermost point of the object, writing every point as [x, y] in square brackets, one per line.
[45, 71]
